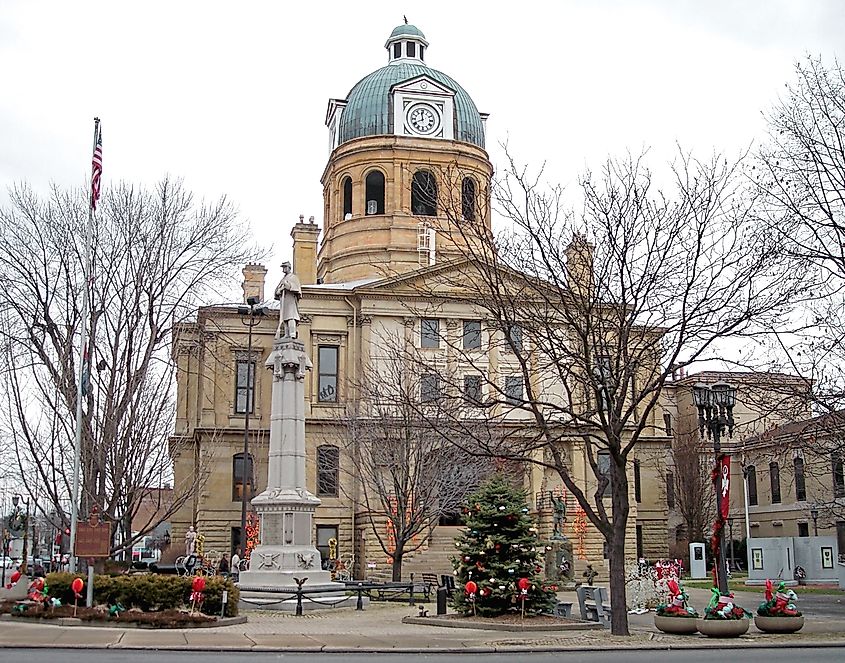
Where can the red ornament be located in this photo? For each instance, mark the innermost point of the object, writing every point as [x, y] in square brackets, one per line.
[470, 587]
[523, 584]
[198, 584]
[37, 584]
[77, 586]
[15, 577]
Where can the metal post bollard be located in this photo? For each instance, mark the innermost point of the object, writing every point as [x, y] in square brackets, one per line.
[360, 604]
[299, 584]
[441, 600]
[412, 601]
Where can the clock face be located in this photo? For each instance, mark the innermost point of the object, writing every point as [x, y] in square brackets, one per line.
[423, 119]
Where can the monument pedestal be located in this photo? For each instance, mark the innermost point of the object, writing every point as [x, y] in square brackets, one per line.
[286, 509]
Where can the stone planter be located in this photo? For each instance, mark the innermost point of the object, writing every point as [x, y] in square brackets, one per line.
[723, 628]
[676, 625]
[779, 624]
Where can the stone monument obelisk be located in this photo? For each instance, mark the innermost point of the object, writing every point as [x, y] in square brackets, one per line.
[286, 508]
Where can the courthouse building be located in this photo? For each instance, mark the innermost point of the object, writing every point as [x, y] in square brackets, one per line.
[404, 137]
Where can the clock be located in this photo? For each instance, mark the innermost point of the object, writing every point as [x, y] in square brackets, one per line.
[423, 119]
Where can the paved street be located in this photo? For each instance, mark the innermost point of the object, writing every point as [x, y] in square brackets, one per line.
[696, 656]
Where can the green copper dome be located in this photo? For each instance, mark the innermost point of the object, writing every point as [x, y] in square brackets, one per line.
[407, 31]
[368, 109]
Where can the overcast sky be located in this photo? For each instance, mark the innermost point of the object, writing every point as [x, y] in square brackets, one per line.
[231, 96]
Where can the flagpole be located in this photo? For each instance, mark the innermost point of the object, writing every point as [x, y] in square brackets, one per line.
[83, 341]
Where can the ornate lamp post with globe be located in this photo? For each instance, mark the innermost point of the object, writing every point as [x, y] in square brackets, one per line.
[251, 314]
[715, 405]
[16, 499]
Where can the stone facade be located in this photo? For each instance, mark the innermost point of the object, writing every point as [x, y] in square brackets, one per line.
[385, 249]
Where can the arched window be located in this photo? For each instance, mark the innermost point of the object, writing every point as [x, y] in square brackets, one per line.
[374, 186]
[751, 479]
[774, 481]
[328, 470]
[242, 474]
[423, 194]
[347, 196]
[800, 482]
[468, 199]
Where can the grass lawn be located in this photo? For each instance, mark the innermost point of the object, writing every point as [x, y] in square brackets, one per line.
[738, 584]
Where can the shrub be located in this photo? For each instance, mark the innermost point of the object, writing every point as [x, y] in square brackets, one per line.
[148, 591]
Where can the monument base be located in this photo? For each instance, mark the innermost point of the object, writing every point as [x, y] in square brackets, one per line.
[276, 590]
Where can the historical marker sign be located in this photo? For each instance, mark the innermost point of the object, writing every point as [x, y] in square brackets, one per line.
[93, 538]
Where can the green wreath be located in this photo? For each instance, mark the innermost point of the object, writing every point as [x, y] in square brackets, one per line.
[17, 522]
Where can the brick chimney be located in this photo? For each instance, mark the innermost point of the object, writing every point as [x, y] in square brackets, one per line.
[305, 250]
[579, 266]
[253, 284]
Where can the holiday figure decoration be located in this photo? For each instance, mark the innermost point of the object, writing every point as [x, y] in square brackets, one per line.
[778, 614]
[499, 558]
[723, 607]
[38, 591]
[677, 605]
[778, 603]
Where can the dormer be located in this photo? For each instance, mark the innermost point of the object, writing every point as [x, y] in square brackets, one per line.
[423, 107]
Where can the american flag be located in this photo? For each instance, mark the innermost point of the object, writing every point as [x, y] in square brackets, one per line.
[96, 168]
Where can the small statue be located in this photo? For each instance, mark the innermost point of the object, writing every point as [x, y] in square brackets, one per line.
[559, 506]
[190, 541]
[590, 574]
[288, 292]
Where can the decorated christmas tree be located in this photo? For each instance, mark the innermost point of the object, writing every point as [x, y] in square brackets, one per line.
[498, 563]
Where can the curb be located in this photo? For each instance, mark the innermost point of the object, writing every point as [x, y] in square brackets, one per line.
[570, 625]
[65, 622]
[328, 649]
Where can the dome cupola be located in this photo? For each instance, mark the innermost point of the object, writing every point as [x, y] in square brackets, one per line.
[406, 97]
[407, 180]
[406, 44]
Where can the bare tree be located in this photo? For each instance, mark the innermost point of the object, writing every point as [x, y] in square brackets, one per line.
[591, 313]
[410, 477]
[156, 256]
[692, 486]
[800, 171]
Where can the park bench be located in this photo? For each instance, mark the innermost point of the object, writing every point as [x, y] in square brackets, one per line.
[594, 604]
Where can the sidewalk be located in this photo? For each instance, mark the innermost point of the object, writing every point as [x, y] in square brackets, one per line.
[380, 628]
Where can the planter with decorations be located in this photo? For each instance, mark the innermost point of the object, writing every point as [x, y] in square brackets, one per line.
[778, 614]
[676, 616]
[723, 618]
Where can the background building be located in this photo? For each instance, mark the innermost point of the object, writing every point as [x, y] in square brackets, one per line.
[405, 141]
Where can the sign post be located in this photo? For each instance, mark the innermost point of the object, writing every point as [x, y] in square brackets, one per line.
[93, 539]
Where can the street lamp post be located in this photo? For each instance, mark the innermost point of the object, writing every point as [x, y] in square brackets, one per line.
[5, 550]
[715, 415]
[252, 311]
[814, 514]
[731, 533]
[16, 498]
